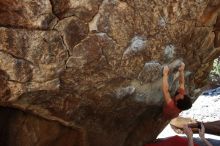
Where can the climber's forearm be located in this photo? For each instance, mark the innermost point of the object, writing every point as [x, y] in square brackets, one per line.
[181, 75]
[190, 141]
[206, 142]
[165, 83]
[181, 80]
[210, 127]
[166, 88]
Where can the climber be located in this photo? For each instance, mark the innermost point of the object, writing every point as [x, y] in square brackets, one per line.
[182, 141]
[212, 127]
[181, 101]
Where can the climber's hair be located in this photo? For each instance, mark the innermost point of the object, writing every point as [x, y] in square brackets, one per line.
[185, 103]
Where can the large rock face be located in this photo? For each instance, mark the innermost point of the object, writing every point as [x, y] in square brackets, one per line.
[91, 70]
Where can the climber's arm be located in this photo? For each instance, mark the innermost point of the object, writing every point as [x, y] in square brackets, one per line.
[165, 85]
[189, 134]
[202, 135]
[181, 76]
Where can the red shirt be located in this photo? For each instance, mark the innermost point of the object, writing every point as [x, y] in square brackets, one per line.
[170, 110]
[172, 141]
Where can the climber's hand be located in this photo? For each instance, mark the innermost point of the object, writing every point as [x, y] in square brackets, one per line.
[166, 70]
[187, 131]
[182, 67]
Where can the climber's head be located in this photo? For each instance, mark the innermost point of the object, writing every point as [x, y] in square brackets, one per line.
[183, 101]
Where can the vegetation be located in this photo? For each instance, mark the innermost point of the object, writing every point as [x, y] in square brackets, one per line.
[215, 72]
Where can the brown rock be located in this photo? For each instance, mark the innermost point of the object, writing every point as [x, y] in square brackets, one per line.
[217, 33]
[73, 30]
[210, 14]
[32, 59]
[26, 129]
[4, 89]
[217, 39]
[93, 76]
[17, 69]
[117, 21]
[35, 14]
[95, 50]
[84, 10]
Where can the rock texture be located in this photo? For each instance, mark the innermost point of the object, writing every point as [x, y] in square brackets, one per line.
[91, 70]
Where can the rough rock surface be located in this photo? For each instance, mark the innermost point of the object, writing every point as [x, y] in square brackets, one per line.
[93, 68]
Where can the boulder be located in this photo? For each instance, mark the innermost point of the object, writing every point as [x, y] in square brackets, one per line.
[89, 73]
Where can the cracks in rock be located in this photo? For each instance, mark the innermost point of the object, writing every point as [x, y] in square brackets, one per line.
[116, 45]
[67, 49]
[29, 28]
[27, 108]
[95, 21]
[52, 9]
[15, 81]
[23, 28]
[66, 46]
[28, 82]
[16, 57]
[53, 12]
[96, 15]
[122, 55]
[53, 27]
[111, 38]
[114, 40]
[65, 17]
[212, 55]
[104, 55]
